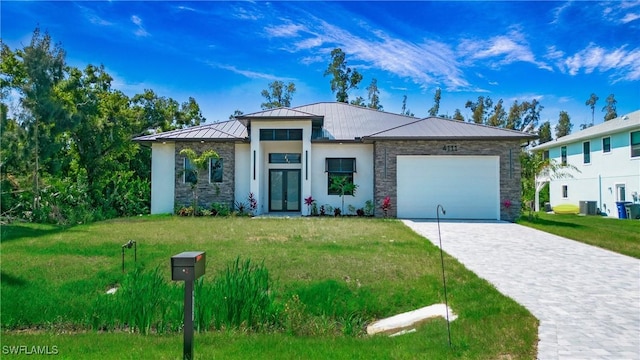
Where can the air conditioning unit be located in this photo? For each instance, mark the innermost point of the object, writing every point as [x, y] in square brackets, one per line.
[588, 207]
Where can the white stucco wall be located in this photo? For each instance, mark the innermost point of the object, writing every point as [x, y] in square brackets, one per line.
[242, 172]
[162, 178]
[600, 179]
[363, 177]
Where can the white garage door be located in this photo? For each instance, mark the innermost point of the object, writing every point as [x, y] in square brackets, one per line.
[468, 187]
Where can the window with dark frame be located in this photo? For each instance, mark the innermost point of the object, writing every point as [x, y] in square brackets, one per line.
[216, 170]
[280, 134]
[189, 173]
[563, 155]
[339, 167]
[586, 152]
[606, 144]
[285, 158]
[565, 191]
[635, 144]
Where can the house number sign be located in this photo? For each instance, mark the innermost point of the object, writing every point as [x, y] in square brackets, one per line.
[450, 148]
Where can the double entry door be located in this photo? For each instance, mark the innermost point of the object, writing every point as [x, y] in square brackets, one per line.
[284, 190]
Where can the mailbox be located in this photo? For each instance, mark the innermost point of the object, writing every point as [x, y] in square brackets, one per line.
[188, 265]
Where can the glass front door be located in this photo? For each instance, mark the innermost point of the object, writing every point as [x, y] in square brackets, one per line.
[284, 190]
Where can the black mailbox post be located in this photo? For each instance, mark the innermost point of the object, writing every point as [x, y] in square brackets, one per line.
[188, 266]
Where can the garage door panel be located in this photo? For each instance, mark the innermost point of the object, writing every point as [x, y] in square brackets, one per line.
[466, 186]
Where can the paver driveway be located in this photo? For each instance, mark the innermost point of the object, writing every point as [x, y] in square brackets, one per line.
[587, 299]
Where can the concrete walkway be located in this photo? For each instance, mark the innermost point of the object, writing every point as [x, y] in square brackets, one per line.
[587, 299]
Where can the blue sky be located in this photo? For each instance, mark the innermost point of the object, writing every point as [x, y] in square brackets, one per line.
[224, 53]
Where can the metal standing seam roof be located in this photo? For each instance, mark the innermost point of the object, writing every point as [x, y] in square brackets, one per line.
[225, 130]
[345, 122]
[622, 123]
[438, 128]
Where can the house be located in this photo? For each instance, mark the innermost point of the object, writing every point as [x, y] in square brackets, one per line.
[285, 155]
[607, 159]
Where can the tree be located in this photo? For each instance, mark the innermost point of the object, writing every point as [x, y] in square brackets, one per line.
[457, 115]
[563, 128]
[436, 103]
[531, 115]
[374, 95]
[479, 109]
[544, 132]
[404, 110]
[34, 72]
[235, 114]
[278, 95]
[524, 116]
[514, 119]
[343, 78]
[343, 186]
[359, 101]
[536, 171]
[200, 163]
[160, 114]
[591, 102]
[610, 108]
[498, 116]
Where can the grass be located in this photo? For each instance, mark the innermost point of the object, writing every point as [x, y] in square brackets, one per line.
[330, 277]
[619, 235]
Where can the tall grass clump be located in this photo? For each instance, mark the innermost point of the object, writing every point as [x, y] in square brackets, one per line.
[140, 304]
[239, 298]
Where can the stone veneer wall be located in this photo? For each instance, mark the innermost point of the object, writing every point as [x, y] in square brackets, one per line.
[208, 193]
[386, 184]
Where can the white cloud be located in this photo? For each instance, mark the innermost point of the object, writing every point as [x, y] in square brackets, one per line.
[250, 74]
[308, 60]
[288, 30]
[499, 50]
[624, 63]
[140, 31]
[425, 63]
[630, 17]
[244, 14]
[92, 17]
[557, 12]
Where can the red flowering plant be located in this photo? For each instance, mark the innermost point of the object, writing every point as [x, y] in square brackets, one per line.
[253, 204]
[506, 203]
[386, 205]
[309, 201]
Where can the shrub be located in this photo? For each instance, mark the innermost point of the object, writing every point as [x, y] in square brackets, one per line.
[220, 209]
[369, 208]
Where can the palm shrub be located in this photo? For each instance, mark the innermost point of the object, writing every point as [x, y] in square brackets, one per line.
[343, 186]
[200, 163]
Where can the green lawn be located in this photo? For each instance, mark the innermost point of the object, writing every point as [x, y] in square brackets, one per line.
[356, 267]
[619, 235]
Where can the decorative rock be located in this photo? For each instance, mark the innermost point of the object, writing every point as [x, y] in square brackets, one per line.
[112, 291]
[405, 322]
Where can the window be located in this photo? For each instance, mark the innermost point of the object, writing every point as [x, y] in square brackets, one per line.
[285, 158]
[606, 145]
[586, 152]
[189, 174]
[215, 170]
[563, 155]
[545, 155]
[339, 167]
[565, 191]
[280, 134]
[635, 144]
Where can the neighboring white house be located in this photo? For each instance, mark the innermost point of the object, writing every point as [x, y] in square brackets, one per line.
[607, 156]
[282, 156]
